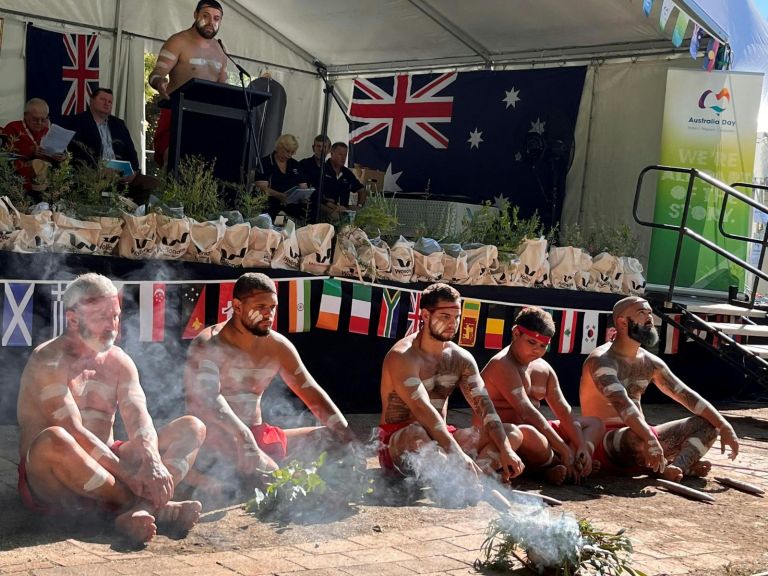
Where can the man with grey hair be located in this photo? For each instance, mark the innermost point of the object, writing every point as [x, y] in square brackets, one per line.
[614, 378]
[69, 460]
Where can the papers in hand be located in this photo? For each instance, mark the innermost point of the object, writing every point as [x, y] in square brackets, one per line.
[296, 194]
[121, 166]
[56, 140]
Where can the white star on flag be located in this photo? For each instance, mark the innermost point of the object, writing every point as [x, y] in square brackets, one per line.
[518, 156]
[475, 139]
[537, 126]
[511, 97]
[390, 180]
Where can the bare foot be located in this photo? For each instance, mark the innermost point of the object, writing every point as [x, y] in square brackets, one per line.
[556, 474]
[672, 473]
[180, 515]
[137, 525]
[700, 469]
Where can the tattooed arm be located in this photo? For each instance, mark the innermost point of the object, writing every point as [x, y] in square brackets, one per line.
[473, 388]
[604, 372]
[676, 389]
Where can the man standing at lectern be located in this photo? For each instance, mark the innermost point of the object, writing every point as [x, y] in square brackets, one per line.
[191, 53]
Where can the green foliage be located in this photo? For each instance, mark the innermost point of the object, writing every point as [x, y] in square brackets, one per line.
[195, 188]
[249, 200]
[11, 184]
[378, 217]
[150, 60]
[599, 553]
[618, 240]
[503, 228]
[61, 181]
[289, 483]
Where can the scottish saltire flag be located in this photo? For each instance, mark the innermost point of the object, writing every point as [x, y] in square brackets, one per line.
[151, 312]
[388, 315]
[58, 318]
[299, 305]
[62, 69]
[414, 313]
[470, 316]
[330, 305]
[224, 310]
[17, 314]
[470, 134]
[360, 313]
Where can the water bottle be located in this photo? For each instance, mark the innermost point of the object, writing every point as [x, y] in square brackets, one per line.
[352, 199]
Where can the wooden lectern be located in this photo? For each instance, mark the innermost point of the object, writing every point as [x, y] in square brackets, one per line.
[212, 120]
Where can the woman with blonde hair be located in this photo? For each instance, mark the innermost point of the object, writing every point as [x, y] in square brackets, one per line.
[280, 172]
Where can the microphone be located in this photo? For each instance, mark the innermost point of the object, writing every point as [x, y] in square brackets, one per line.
[240, 69]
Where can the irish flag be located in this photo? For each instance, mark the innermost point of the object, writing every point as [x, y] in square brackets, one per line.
[330, 305]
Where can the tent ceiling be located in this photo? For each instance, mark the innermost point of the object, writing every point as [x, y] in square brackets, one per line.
[351, 37]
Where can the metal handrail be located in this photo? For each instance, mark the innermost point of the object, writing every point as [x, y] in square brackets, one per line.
[682, 229]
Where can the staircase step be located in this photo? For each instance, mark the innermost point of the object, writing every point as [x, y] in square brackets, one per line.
[726, 310]
[757, 349]
[741, 329]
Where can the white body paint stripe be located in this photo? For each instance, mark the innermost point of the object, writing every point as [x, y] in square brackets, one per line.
[412, 382]
[699, 445]
[617, 440]
[180, 464]
[492, 418]
[168, 55]
[97, 453]
[474, 379]
[61, 413]
[334, 419]
[630, 411]
[209, 366]
[700, 407]
[475, 392]
[605, 371]
[93, 414]
[52, 391]
[613, 388]
[98, 480]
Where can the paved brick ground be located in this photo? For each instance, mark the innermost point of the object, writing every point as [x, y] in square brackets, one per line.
[679, 539]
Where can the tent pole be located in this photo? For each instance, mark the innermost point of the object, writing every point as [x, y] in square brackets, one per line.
[117, 45]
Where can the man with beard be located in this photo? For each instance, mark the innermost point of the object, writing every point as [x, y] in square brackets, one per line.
[69, 461]
[613, 379]
[229, 368]
[418, 376]
[191, 53]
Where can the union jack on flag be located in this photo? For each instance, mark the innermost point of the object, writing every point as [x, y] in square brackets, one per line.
[62, 69]
[414, 313]
[403, 108]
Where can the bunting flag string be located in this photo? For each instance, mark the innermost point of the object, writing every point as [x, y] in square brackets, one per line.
[299, 305]
[414, 313]
[360, 315]
[470, 316]
[388, 315]
[330, 305]
[494, 327]
[224, 309]
[151, 312]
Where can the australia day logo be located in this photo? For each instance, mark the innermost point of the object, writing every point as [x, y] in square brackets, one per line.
[715, 102]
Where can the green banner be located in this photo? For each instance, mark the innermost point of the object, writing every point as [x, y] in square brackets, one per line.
[710, 123]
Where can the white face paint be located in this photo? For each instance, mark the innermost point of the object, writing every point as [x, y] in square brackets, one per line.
[255, 316]
[98, 480]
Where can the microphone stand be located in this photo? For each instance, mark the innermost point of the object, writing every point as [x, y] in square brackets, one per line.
[329, 92]
[242, 73]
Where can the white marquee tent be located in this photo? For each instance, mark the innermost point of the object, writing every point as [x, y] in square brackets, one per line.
[626, 53]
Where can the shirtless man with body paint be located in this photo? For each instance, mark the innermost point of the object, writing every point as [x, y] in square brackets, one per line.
[418, 376]
[518, 379]
[614, 378]
[70, 391]
[191, 53]
[229, 367]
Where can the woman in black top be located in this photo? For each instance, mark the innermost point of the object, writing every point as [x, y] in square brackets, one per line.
[281, 173]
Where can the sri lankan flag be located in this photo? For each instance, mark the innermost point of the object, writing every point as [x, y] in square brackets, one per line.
[470, 314]
[494, 327]
[388, 315]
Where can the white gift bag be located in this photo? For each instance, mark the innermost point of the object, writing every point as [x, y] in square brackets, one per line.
[564, 262]
[504, 274]
[401, 255]
[583, 277]
[315, 242]
[542, 277]
[36, 234]
[173, 237]
[454, 264]
[482, 260]
[287, 254]
[532, 257]
[633, 282]
[77, 236]
[139, 236]
[233, 246]
[427, 261]
[110, 230]
[382, 258]
[262, 245]
[9, 223]
[204, 239]
[601, 274]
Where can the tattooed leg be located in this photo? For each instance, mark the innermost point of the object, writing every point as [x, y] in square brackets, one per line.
[685, 442]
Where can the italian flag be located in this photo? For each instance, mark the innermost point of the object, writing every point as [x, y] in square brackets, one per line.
[360, 315]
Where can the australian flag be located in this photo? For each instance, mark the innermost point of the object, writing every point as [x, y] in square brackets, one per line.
[62, 69]
[471, 136]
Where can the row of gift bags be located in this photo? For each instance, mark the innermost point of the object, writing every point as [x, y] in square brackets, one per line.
[310, 249]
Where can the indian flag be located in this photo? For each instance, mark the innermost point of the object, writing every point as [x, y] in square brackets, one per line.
[299, 298]
[330, 305]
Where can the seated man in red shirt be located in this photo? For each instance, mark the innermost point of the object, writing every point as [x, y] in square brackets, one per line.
[24, 137]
